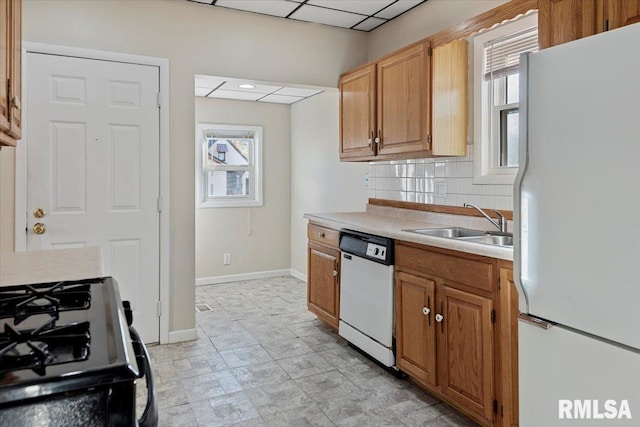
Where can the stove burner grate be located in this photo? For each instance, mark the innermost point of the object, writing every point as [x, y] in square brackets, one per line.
[45, 346]
[47, 299]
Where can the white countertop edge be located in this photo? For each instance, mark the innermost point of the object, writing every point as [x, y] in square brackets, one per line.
[357, 221]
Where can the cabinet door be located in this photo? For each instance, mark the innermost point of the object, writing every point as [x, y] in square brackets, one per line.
[508, 347]
[561, 21]
[357, 113]
[403, 101]
[15, 68]
[618, 13]
[323, 291]
[415, 327]
[466, 350]
[449, 99]
[4, 65]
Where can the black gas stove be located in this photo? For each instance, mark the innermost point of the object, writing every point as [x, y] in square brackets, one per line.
[69, 356]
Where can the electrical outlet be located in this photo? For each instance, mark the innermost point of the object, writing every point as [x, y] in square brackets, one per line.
[441, 188]
[226, 259]
[366, 179]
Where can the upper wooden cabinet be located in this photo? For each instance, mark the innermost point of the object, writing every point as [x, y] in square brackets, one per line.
[384, 107]
[561, 21]
[358, 113]
[449, 95]
[403, 102]
[10, 71]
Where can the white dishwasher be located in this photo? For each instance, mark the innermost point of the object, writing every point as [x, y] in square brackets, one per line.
[366, 294]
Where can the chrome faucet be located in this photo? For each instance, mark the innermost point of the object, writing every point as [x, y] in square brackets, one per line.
[502, 222]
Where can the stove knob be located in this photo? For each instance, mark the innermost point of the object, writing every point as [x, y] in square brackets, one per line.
[376, 251]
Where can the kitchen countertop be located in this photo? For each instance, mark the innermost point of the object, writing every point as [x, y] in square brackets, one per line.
[17, 268]
[389, 222]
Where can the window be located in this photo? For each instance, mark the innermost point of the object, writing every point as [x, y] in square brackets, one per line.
[230, 165]
[496, 98]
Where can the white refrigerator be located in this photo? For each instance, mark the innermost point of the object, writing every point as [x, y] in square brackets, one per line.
[577, 220]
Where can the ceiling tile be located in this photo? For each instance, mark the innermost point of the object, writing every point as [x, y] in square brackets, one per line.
[235, 86]
[281, 99]
[210, 82]
[364, 7]
[232, 94]
[202, 91]
[369, 24]
[280, 8]
[397, 8]
[327, 16]
[297, 91]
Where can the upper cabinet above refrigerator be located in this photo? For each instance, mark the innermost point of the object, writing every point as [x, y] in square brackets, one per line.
[562, 21]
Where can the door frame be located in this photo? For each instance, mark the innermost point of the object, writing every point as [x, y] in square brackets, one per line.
[21, 160]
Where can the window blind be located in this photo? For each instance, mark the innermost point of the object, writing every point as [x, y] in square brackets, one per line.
[227, 134]
[502, 55]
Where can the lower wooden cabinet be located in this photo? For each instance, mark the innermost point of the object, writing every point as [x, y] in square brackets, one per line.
[455, 335]
[416, 327]
[466, 350]
[323, 281]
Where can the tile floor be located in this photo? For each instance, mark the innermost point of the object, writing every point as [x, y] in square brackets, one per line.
[262, 359]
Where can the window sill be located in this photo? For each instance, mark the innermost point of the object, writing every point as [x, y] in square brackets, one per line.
[230, 204]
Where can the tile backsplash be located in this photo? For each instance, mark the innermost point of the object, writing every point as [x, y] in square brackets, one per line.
[440, 181]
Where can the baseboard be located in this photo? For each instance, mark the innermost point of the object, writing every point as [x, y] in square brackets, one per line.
[183, 335]
[298, 275]
[241, 277]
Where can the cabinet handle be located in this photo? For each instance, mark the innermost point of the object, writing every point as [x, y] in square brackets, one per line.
[335, 273]
[439, 317]
[379, 137]
[15, 101]
[321, 234]
[370, 137]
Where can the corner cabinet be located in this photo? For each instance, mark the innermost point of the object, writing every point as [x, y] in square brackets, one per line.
[323, 274]
[10, 72]
[562, 21]
[384, 107]
[454, 333]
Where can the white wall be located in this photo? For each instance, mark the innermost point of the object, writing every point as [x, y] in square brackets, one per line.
[319, 182]
[427, 19]
[258, 237]
[197, 39]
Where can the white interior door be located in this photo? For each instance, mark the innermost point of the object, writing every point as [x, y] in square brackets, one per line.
[93, 167]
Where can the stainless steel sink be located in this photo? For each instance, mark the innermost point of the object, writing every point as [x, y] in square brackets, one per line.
[468, 235]
[490, 239]
[450, 233]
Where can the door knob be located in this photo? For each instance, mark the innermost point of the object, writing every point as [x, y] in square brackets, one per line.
[39, 213]
[39, 228]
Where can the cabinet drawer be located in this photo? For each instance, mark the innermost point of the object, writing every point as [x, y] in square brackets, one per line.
[469, 272]
[323, 235]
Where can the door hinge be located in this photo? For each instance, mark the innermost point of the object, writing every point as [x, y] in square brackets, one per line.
[495, 407]
[158, 100]
[493, 316]
[430, 51]
[159, 204]
[159, 308]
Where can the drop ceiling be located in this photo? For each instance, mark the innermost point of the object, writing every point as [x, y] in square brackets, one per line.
[252, 90]
[360, 15]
